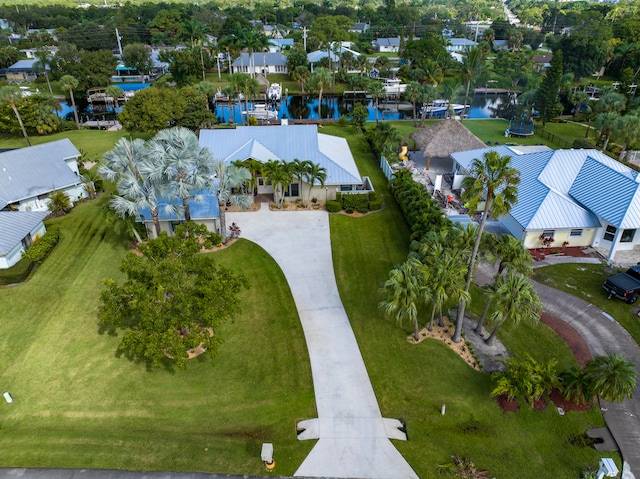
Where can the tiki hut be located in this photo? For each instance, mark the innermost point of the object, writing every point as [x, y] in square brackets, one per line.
[444, 138]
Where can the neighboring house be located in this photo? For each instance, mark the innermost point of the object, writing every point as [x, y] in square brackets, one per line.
[23, 71]
[316, 56]
[18, 231]
[542, 62]
[128, 74]
[271, 31]
[387, 44]
[460, 45]
[499, 45]
[264, 143]
[581, 197]
[478, 27]
[280, 44]
[29, 175]
[263, 62]
[360, 27]
[31, 52]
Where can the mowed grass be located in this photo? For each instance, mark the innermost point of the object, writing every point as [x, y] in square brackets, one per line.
[585, 281]
[77, 404]
[412, 382]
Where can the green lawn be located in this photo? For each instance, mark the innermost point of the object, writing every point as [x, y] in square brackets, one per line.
[77, 404]
[585, 281]
[413, 381]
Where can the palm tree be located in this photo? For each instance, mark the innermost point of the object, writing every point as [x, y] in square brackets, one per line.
[137, 178]
[278, 174]
[516, 300]
[250, 88]
[612, 377]
[228, 177]
[186, 167]
[426, 96]
[301, 74]
[402, 293]
[576, 385]
[44, 58]
[446, 280]
[314, 173]
[496, 182]
[471, 67]
[412, 93]
[298, 169]
[209, 91]
[320, 79]
[377, 91]
[629, 132]
[11, 94]
[115, 92]
[59, 203]
[253, 41]
[69, 82]
[238, 81]
[606, 123]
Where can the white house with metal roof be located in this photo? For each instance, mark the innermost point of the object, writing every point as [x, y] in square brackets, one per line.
[29, 175]
[261, 62]
[581, 197]
[288, 143]
[18, 231]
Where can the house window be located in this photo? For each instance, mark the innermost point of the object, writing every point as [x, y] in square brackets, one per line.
[627, 236]
[610, 233]
[260, 181]
[548, 233]
[346, 187]
[293, 190]
[27, 241]
[576, 233]
[174, 224]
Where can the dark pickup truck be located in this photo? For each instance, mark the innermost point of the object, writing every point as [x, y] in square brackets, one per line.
[625, 286]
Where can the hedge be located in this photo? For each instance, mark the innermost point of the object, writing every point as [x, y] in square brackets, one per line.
[355, 201]
[333, 206]
[17, 273]
[41, 249]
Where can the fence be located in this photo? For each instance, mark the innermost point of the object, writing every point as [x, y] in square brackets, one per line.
[561, 142]
[386, 168]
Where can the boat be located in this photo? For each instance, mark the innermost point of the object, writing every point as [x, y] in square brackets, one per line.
[394, 86]
[261, 112]
[274, 93]
[442, 107]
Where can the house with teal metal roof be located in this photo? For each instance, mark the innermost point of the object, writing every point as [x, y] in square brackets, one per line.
[576, 197]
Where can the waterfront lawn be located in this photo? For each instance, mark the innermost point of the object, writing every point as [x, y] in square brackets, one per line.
[79, 405]
[585, 281]
[412, 381]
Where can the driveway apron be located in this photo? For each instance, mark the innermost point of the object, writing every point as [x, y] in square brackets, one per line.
[353, 437]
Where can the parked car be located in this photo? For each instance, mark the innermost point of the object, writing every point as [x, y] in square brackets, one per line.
[625, 286]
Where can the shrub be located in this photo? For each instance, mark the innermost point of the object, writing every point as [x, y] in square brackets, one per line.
[373, 195]
[583, 143]
[349, 210]
[41, 249]
[355, 201]
[363, 210]
[375, 205]
[333, 206]
[17, 273]
[339, 198]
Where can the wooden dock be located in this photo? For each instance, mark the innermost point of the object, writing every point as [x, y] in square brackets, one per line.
[492, 91]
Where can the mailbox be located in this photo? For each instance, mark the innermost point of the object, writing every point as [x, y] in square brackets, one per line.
[8, 398]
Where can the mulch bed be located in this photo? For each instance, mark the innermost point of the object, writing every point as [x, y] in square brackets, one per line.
[506, 404]
[574, 251]
[566, 405]
[540, 404]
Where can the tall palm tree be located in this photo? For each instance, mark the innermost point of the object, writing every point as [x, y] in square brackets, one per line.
[612, 377]
[138, 180]
[69, 83]
[606, 123]
[253, 41]
[44, 58]
[115, 92]
[238, 81]
[250, 88]
[186, 167]
[320, 79]
[278, 174]
[629, 132]
[516, 300]
[298, 169]
[314, 173]
[11, 94]
[493, 180]
[412, 93]
[209, 90]
[228, 177]
[427, 95]
[472, 65]
[446, 281]
[403, 292]
[377, 91]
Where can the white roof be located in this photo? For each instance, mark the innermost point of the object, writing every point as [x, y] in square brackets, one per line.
[287, 143]
[15, 225]
[36, 170]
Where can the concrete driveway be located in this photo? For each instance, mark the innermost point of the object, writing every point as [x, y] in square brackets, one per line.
[353, 436]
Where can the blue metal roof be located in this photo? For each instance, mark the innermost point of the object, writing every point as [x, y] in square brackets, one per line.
[287, 143]
[612, 195]
[260, 59]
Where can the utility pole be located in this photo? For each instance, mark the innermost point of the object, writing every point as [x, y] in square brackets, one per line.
[304, 38]
[118, 37]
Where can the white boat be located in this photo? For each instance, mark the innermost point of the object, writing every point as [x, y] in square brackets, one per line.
[262, 112]
[274, 93]
[442, 107]
[394, 86]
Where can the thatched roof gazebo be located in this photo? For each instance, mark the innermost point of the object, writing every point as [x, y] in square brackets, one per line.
[444, 138]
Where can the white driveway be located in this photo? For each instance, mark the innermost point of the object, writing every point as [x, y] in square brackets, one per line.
[353, 436]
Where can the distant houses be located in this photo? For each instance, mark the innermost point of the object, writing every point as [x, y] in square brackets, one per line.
[23, 71]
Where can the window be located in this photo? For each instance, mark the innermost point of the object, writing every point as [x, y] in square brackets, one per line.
[610, 233]
[548, 233]
[174, 224]
[576, 233]
[293, 190]
[27, 241]
[346, 187]
[627, 236]
[260, 181]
